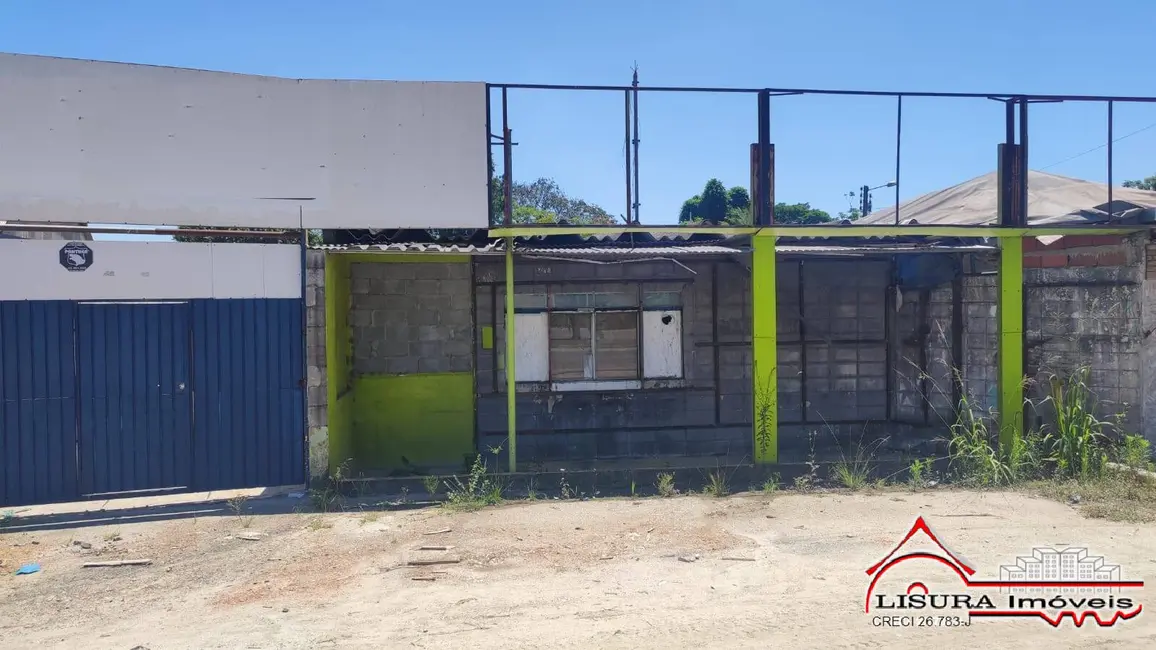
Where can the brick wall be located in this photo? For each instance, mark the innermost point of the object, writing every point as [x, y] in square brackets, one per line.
[410, 317]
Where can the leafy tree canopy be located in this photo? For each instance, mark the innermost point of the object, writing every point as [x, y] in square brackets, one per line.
[1146, 184]
[718, 205]
[543, 201]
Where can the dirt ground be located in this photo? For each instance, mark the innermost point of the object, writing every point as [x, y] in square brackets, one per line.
[613, 573]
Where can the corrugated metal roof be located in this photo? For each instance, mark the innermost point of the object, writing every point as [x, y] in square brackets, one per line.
[705, 249]
[412, 247]
[498, 246]
[1052, 200]
[852, 249]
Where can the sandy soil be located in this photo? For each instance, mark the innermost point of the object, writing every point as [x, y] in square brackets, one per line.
[551, 574]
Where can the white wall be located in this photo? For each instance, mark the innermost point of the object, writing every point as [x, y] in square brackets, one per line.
[98, 142]
[127, 270]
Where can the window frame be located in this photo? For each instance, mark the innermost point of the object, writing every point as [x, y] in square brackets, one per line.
[538, 306]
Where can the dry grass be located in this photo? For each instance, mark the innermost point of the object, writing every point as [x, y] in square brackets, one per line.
[1119, 495]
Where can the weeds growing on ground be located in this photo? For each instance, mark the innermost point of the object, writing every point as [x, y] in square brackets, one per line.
[853, 472]
[806, 482]
[431, 484]
[564, 488]
[771, 485]
[974, 449]
[477, 491]
[1135, 452]
[237, 505]
[919, 473]
[317, 523]
[665, 484]
[1067, 458]
[1078, 438]
[717, 484]
[328, 497]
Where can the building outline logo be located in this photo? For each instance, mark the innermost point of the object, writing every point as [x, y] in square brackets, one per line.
[1032, 586]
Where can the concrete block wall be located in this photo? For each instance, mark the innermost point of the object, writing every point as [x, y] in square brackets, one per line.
[922, 357]
[940, 364]
[1148, 342]
[734, 318]
[317, 390]
[981, 342]
[1088, 314]
[410, 317]
[684, 417]
[844, 312]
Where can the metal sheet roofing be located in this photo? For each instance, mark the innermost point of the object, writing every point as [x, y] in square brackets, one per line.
[669, 251]
[1052, 200]
[413, 247]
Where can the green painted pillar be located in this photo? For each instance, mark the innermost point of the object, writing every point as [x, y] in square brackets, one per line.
[764, 366]
[511, 393]
[1011, 340]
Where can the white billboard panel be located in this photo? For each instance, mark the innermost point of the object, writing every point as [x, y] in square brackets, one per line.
[130, 270]
[99, 142]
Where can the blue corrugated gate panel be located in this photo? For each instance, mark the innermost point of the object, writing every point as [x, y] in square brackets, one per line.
[135, 417]
[37, 402]
[100, 398]
[248, 390]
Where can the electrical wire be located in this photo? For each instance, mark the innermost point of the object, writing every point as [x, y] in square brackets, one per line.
[1097, 148]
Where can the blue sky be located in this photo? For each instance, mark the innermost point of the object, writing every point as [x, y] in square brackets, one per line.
[825, 146]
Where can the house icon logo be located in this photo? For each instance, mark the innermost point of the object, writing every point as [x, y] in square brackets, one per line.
[1053, 584]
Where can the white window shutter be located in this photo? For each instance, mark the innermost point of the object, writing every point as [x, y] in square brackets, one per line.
[531, 347]
[662, 344]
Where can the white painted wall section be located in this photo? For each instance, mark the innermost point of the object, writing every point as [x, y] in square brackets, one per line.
[662, 344]
[532, 347]
[128, 270]
[99, 142]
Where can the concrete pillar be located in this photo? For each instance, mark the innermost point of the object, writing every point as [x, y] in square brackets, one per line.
[1011, 341]
[511, 392]
[765, 350]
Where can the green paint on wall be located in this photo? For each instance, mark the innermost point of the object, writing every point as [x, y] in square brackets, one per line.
[765, 350]
[428, 419]
[1011, 341]
[487, 337]
[338, 353]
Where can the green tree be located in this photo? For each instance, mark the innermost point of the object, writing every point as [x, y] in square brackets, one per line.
[736, 211]
[543, 201]
[690, 210]
[708, 207]
[716, 204]
[799, 213]
[1146, 184]
[738, 197]
[712, 206]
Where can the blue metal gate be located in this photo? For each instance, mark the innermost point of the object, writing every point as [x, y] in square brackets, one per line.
[37, 402]
[98, 399]
[135, 415]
